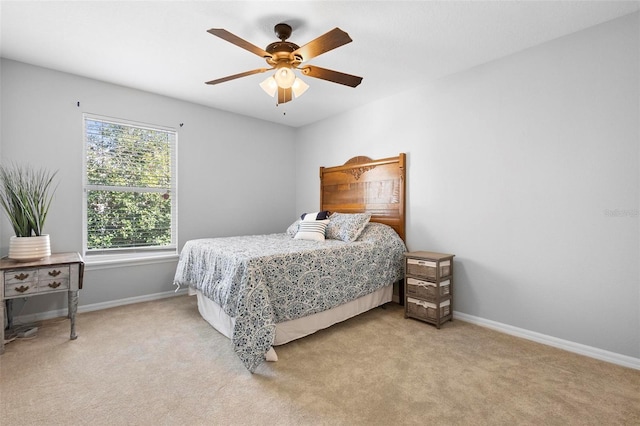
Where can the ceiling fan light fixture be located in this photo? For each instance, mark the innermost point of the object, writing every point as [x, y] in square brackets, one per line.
[270, 86]
[284, 76]
[299, 87]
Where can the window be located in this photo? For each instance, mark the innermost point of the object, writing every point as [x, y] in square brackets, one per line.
[130, 198]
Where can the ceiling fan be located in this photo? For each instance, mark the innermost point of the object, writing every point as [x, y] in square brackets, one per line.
[284, 57]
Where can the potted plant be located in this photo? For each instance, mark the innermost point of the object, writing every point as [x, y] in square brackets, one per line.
[25, 196]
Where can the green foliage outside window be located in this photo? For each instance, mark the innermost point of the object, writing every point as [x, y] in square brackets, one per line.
[128, 186]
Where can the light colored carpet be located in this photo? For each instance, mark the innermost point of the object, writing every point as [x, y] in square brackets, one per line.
[159, 363]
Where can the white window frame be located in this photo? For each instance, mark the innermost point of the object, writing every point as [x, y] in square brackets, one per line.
[141, 255]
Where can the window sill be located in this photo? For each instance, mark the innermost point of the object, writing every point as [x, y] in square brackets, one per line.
[93, 262]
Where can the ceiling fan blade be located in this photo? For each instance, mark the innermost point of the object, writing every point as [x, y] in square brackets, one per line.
[330, 75]
[284, 95]
[234, 39]
[242, 74]
[326, 42]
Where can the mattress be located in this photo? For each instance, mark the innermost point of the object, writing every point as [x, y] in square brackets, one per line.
[266, 280]
[295, 329]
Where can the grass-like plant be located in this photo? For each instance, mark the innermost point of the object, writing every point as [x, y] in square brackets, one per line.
[25, 196]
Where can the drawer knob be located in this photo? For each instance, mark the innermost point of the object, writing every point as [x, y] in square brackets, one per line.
[54, 273]
[22, 276]
[22, 289]
[54, 285]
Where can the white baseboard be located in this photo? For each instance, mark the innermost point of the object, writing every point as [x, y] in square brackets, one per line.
[41, 316]
[590, 351]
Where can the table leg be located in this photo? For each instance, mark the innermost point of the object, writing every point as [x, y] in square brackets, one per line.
[73, 308]
[9, 313]
[2, 328]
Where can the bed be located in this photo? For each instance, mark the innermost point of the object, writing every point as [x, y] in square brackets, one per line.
[266, 290]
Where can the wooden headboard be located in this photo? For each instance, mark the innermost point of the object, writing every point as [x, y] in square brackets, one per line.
[365, 185]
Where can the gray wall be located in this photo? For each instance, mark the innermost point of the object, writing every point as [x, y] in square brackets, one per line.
[527, 169]
[229, 168]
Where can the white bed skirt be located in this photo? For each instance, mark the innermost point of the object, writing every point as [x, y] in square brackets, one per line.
[294, 329]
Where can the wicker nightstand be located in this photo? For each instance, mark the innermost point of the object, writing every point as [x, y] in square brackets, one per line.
[428, 286]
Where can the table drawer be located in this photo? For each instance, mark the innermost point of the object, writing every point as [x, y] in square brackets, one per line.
[53, 285]
[21, 276]
[55, 272]
[18, 289]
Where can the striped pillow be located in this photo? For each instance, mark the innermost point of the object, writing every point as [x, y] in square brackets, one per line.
[311, 230]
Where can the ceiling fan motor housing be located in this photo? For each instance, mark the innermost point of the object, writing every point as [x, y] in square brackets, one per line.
[281, 51]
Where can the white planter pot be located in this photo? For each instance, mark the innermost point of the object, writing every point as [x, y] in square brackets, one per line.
[26, 249]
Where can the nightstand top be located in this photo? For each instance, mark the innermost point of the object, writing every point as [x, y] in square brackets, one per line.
[428, 255]
[54, 259]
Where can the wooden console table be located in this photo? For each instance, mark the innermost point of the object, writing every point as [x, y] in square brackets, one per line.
[56, 273]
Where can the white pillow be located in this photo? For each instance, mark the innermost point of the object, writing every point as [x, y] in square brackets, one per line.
[311, 230]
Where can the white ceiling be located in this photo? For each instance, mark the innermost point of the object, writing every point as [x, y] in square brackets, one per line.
[163, 46]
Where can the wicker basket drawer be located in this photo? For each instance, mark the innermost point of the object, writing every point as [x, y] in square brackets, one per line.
[427, 289]
[428, 268]
[426, 310]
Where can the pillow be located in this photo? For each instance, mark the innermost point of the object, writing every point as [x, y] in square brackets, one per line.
[346, 226]
[311, 230]
[293, 228]
[315, 215]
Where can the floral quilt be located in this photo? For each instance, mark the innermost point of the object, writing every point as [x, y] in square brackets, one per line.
[261, 280]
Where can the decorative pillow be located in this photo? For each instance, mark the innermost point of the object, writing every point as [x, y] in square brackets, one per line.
[293, 228]
[346, 226]
[311, 230]
[315, 215]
